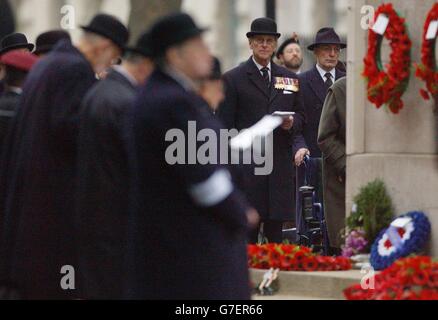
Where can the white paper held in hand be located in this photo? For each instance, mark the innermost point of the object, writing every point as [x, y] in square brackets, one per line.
[261, 129]
[432, 30]
[381, 24]
[283, 114]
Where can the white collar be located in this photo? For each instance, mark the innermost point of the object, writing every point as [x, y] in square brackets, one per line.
[187, 83]
[322, 72]
[16, 90]
[260, 67]
[122, 70]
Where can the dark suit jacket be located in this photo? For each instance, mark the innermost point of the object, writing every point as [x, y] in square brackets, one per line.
[179, 248]
[8, 107]
[38, 176]
[248, 100]
[103, 187]
[314, 93]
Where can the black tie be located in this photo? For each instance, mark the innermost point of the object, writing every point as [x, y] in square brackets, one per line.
[265, 73]
[329, 81]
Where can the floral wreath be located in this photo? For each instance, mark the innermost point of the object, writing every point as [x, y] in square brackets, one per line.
[406, 235]
[387, 88]
[427, 70]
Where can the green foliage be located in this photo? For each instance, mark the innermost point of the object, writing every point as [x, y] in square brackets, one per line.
[374, 211]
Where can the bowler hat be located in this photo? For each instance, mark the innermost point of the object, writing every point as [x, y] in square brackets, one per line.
[47, 40]
[327, 36]
[172, 30]
[19, 60]
[263, 26]
[15, 41]
[283, 46]
[109, 27]
[143, 46]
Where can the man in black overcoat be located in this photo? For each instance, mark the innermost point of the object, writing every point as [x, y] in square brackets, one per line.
[103, 174]
[38, 172]
[187, 231]
[255, 89]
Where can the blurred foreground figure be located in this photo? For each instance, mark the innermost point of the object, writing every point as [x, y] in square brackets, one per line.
[38, 172]
[103, 174]
[189, 224]
[212, 88]
[16, 66]
[331, 140]
[47, 41]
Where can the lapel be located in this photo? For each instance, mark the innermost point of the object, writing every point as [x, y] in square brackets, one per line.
[317, 84]
[276, 72]
[256, 78]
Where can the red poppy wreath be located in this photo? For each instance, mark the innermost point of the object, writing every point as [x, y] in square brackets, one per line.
[387, 87]
[427, 70]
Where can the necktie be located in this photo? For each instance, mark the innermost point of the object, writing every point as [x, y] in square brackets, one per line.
[265, 73]
[329, 81]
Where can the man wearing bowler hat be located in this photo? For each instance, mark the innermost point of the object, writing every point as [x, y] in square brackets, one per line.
[188, 224]
[103, 180]
[315, 85]
[253, 90]
[38, 177]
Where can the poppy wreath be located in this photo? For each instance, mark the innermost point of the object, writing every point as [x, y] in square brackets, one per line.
[413, 278]
[427, 70]
[399, 241]
[293, 258]
[387, 88]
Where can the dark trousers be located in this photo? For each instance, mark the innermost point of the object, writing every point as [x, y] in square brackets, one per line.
[272, 231]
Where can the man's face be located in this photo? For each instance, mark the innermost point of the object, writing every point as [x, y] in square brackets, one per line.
[263, 47]
[195, 59]
[327, 55]
[107, 53]
[292, 57]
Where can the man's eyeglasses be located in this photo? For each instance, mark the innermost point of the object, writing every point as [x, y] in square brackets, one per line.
[261, 41]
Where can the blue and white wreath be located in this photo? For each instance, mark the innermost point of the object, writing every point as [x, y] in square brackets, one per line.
[407, 234]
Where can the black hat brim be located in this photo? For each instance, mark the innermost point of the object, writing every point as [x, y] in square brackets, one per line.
[105, 35]
[29, 46]
[313, 46]
[261, 33]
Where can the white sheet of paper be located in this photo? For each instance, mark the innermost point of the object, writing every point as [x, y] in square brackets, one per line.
[401, 223]
[283, 114]
[261, 129]
[432, 30]
[381, 24]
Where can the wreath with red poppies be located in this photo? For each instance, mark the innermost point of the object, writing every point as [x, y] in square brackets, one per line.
[427, 70]
[387, 87]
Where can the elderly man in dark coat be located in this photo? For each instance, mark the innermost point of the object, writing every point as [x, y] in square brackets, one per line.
[255, 89]
[38, 173]
[331, 140]
[103, 174]
[188, 227]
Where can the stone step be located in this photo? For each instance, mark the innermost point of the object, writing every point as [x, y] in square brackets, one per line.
[310, 285]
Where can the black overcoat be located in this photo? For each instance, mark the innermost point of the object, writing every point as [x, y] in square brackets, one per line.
[38, 176]
[248, 100]
[182, 244]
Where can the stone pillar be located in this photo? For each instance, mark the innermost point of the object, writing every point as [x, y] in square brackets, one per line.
[400, 149]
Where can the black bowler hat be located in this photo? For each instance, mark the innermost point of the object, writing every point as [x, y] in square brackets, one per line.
[283, 46]
[143, 46]
[47, 40]
[263, 26]
[15, 41]
[172, 30]
[109, 27]
[327, 36]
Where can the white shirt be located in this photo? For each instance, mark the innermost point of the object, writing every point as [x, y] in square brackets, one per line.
[120, 69]
[322, 72]
[260, 67]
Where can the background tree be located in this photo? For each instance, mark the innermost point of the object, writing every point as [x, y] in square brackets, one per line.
[145, 12]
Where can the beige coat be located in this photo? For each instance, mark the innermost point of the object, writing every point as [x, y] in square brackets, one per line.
[331, 140]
